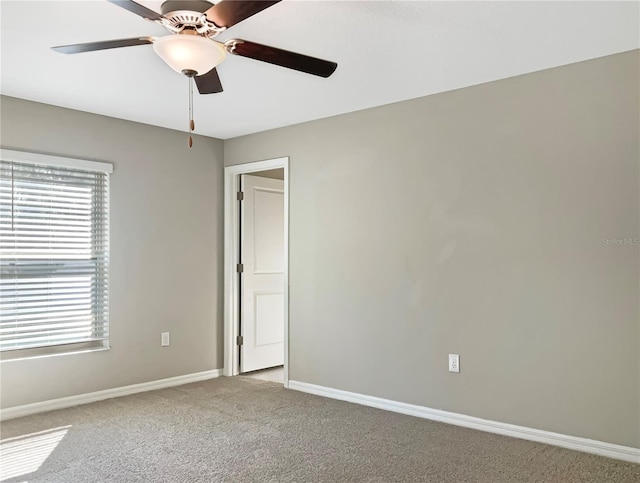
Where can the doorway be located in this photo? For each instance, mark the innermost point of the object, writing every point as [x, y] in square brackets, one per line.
[256, 267]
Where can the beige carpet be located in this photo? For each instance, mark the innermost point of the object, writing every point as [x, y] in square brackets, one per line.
[275, 374]
[244, 429]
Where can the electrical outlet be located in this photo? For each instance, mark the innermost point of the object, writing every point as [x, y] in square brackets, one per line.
[165, 340]
[454, 363]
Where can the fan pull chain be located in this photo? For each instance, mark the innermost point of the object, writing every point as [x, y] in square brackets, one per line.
[192, 124]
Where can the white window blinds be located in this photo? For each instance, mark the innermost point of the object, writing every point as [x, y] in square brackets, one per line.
[54, 255]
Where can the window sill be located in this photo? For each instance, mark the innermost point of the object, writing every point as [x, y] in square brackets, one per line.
[27, 354]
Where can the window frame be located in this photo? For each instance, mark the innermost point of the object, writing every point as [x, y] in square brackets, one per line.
[51, 161]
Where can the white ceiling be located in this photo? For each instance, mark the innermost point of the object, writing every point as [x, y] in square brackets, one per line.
[387, 51]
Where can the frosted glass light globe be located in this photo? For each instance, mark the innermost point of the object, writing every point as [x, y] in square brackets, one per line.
[189, 52]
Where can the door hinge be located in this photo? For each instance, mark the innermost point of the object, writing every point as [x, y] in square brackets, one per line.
[239, 268]
[240, 196]
[240, 340]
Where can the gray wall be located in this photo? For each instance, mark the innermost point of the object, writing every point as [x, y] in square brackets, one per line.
[472, 222]
[277, 173]
[166, 251]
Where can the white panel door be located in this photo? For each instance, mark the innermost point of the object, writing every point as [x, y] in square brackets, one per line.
[262, 249]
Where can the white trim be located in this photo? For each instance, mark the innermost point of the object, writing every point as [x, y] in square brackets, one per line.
[231, 187]
[70, 401]
[601, 448]
[48, 160]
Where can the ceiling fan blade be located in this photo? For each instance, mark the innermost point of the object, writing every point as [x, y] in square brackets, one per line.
[103, 45]
[227, 13]
[209, 83]
[138, 9]
[283, 58]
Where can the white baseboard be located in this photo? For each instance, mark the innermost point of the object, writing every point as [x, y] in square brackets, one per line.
[565, 441]
[70, 401]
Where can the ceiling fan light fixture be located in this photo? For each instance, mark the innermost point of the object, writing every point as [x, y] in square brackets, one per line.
[189, 53]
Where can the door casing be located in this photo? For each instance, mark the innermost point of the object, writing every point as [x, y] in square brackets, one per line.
[231, 256]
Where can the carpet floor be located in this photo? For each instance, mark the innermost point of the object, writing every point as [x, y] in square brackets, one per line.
[246, 430]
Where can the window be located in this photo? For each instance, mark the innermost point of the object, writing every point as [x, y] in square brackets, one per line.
[54, 253]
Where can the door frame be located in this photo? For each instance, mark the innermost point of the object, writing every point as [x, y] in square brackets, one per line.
[231, 253]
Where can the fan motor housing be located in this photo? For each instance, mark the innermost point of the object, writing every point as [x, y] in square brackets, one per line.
[187, 15]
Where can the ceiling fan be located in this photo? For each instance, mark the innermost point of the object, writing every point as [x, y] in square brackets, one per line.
[191, 50]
